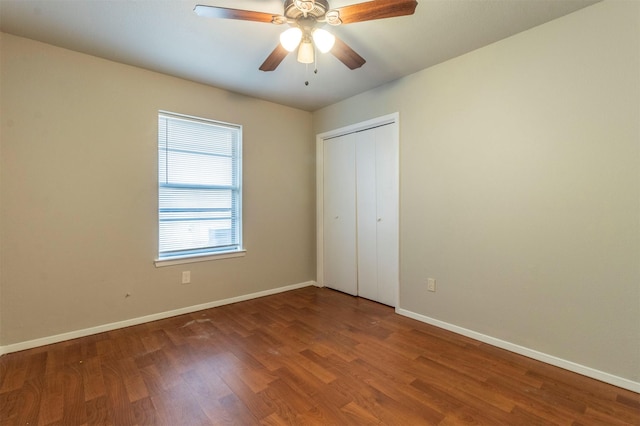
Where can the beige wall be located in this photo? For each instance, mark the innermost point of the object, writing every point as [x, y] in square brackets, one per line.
[520, 187]
[78, 192]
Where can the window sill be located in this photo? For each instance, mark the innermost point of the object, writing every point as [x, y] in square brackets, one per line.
[200, 258]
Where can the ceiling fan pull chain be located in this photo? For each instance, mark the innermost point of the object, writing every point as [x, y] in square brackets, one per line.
[315, 60]
[306, 74]
[306, 69]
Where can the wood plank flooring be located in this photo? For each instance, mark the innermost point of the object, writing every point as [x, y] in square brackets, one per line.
[308, 356]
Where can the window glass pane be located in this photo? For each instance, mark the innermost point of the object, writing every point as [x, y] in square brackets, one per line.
[194, 234]
[199, 137]
[197, 169]
[188, 198]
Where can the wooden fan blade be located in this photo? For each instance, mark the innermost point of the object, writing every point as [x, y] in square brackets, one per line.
[226, 13]
[274, 59]
[347, 55]
[376, 9]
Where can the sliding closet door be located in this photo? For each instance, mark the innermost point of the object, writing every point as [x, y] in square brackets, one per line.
[377, 214]
[339, 215]
[366, 214]
[358, 245]
[387, 202]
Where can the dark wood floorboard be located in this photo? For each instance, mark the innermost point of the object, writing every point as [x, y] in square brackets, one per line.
[311, 356]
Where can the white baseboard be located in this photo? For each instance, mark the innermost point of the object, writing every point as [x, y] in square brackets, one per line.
[140, 320]
[521, 350]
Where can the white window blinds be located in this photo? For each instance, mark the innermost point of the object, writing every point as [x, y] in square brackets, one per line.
[199, 203]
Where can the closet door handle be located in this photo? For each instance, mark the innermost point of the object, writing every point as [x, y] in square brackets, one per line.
[379, 219]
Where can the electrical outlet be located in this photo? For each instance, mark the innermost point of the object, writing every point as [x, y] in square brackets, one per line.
[186, 277]
[431, 284]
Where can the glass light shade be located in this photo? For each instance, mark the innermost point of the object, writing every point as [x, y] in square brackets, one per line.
[324, 40]
[305, 52]
[291, 38]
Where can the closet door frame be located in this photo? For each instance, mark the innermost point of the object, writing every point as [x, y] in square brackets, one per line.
[393, 119]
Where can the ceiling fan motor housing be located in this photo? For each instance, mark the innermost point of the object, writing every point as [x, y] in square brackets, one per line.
[295, 9]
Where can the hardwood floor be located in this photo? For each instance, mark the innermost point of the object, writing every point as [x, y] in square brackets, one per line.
[309, 356]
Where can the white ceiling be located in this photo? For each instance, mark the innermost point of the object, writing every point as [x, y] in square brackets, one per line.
[167, 36]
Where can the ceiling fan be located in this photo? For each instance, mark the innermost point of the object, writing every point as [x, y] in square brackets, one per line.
[305, 17]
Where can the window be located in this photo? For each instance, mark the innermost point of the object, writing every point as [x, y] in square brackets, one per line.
[199, 187]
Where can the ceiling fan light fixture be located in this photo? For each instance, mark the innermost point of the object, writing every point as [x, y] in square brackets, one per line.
[305, 52]
[290, 39]
[323, 39]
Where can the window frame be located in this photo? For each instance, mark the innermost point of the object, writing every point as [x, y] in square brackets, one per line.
[200, 255]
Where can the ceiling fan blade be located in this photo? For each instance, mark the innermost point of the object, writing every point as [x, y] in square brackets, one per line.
[376, 9]
[347, 55]
[226, 13]
[274, 59]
